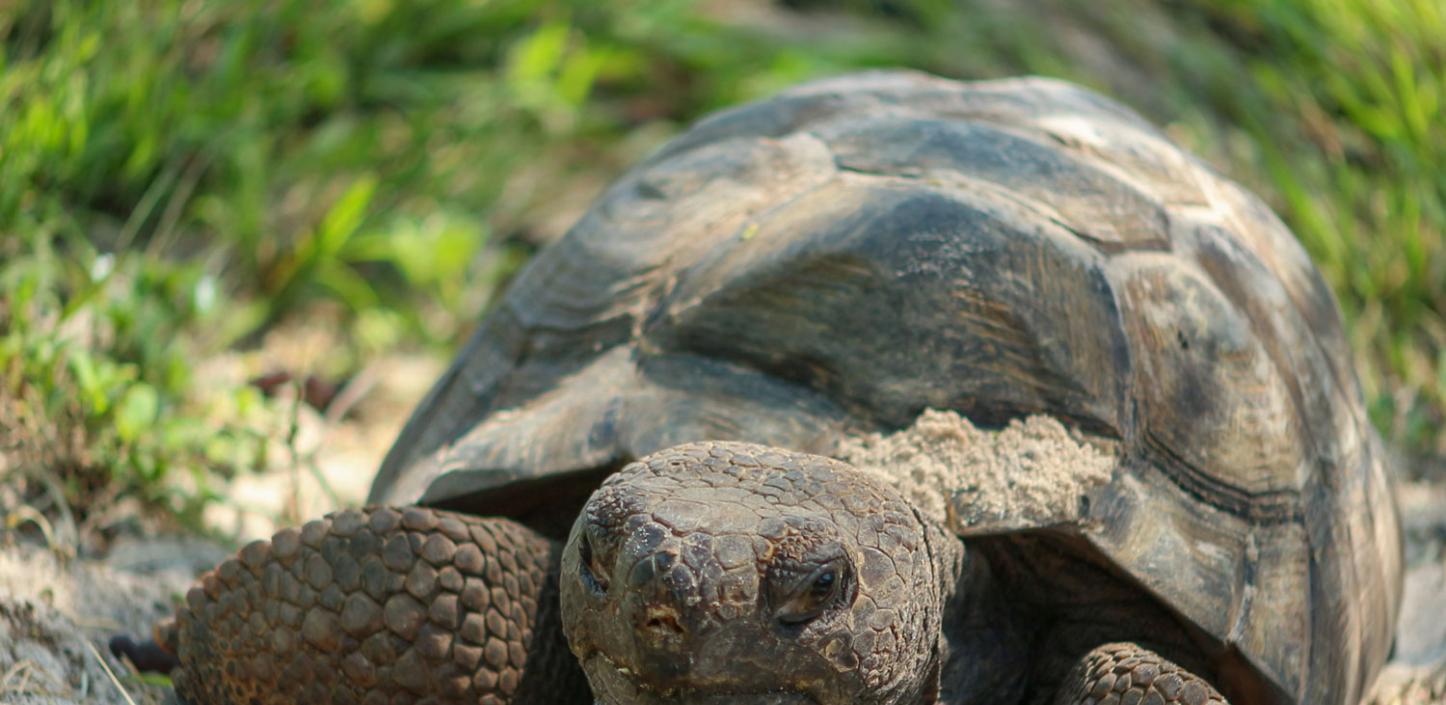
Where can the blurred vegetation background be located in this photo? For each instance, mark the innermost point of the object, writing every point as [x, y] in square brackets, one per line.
[183, 180]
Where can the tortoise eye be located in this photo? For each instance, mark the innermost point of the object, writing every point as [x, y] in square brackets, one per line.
[814, 594]
[823, 585]
[590, 568]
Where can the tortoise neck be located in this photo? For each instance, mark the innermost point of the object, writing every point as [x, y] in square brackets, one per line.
[983, 645]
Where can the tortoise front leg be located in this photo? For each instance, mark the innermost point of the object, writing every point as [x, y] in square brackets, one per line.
[1129, 674]
[380, 605]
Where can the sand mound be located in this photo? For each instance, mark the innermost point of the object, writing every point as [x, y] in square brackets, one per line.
[1033, 470]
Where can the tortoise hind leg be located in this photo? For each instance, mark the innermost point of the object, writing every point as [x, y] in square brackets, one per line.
[1129, 674]
[377, 606]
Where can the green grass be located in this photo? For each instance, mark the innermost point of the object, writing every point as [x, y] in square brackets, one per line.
[178, 178]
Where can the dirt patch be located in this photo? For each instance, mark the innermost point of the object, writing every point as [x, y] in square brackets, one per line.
[1033, 470]
[57, 615]
[1417, 676]
[1401, 684]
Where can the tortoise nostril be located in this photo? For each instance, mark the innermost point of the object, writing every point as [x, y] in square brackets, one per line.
[659, 625]
[664, 623]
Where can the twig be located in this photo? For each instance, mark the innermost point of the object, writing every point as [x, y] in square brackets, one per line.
[21, 669]
[291, 513]
[147, 205]
[165, 230]
[64, 539]
[25, 670]
[26, 513]
[315, 469]
[109, 673]
[350, 395]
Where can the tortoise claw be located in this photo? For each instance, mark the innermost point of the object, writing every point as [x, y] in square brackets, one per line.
[147, 656]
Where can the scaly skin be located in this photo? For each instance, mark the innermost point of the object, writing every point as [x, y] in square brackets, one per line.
[379, 606]
[1128, 674]
[706, 574]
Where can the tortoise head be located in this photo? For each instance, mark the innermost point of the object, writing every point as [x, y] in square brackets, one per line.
[714, 572]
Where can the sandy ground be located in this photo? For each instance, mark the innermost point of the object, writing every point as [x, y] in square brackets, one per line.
[1417, 675]
[57, 615]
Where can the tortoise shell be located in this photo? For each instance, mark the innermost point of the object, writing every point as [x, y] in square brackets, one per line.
[837, 259]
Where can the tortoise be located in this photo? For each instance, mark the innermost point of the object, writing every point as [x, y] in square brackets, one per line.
[626, 489]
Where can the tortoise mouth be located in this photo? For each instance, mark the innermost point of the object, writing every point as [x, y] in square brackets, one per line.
[613, 684]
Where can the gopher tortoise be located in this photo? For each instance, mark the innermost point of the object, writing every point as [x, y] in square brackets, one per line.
[627, 489]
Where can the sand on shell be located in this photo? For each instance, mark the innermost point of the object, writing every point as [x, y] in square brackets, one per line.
[1030, 473]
